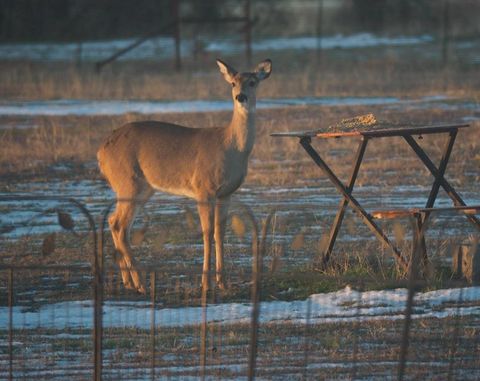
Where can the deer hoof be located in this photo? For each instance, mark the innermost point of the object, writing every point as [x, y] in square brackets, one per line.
[141, 290]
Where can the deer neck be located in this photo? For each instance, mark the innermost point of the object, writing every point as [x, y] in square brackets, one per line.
[241, 131]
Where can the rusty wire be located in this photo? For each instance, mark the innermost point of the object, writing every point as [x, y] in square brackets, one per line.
[133, 343]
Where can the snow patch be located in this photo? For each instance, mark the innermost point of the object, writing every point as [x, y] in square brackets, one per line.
[120, 107]
[343, 305]
[164, 47]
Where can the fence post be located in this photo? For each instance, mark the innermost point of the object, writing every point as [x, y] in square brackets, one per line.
[98, 291]
[248, 32]
[356, 330]
[203, 333]
[259, 244]
[445, 31]
[412, 277]
[175, 9]
[456, 337]
[307, 339]
[10, 324]
[319, 33]
[97, 330]
[152, 318]
[256, 270]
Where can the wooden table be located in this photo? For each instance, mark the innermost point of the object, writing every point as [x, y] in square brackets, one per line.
[365, 135]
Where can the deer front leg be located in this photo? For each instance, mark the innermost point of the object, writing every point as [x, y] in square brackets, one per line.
[221, 214]
[205, 211]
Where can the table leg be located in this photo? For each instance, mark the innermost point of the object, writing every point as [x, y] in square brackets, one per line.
[366, 218]
[419, 254]
[440, 173]
[441, 170]
[337, 223]
[457, 200]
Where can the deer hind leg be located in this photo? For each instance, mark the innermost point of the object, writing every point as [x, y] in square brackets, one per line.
[221, 214]
[206, 213]
[120, 223]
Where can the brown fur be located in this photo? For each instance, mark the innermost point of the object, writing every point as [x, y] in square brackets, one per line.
[206, 164]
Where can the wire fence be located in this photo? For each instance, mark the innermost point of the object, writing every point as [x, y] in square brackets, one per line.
[182, 30]
[64, 311]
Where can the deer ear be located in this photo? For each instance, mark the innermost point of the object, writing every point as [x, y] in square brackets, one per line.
[263, 69]
[227, 71]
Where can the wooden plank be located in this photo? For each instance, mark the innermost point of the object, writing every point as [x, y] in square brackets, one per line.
[397, 213]
[371, 133]
[422, 130]
[393, 213]
[472, 209]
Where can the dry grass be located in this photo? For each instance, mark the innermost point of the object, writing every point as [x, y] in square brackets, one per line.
[358, 72]
[275, 161]
[365, 72]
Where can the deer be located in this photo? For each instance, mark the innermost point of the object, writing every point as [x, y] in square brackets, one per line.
[206, 164]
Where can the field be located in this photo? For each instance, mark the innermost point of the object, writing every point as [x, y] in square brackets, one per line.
[51, 152]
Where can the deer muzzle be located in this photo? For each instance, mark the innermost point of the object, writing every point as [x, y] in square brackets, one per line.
[241, 98]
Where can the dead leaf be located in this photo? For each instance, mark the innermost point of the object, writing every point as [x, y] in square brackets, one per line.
[48, 245]
[238, 226]
[323, 243]
[298, 241]
[351, 226]
[275, 265]
[65, 220]
[190, 219]
[138, 236]
[399, 232]
[159, 239]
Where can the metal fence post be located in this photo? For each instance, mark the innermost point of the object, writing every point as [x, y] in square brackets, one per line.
[412, 278]
[256, 270]
[248, 33]
[456, 337]
[203, 333]
[99, 278]
[10, 324]
[175, 9]
[307, 339]
[152, 319]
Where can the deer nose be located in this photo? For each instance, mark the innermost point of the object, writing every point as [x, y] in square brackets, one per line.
[241, 98]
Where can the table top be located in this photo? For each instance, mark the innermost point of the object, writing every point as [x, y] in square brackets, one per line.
[377, 131]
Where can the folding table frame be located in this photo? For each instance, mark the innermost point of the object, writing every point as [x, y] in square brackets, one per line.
[407, 133]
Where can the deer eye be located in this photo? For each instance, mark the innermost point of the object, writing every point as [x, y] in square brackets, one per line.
[233, 84]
